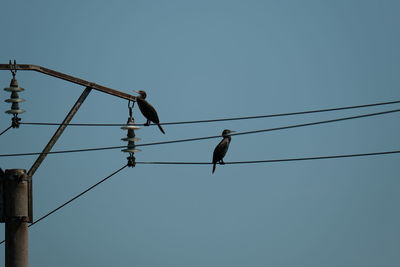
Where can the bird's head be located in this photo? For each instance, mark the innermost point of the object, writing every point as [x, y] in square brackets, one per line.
[226, 132]
[142, 94]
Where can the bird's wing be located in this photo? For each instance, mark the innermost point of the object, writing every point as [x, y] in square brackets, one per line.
[220, 150]
[148, 111]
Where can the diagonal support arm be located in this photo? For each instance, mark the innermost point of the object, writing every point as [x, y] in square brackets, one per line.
[53, 140]
[59, 131]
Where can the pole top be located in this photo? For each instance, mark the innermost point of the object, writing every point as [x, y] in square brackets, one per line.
[16, 174]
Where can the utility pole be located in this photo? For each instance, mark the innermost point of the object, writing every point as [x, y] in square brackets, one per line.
[16, 215]
[16, 184]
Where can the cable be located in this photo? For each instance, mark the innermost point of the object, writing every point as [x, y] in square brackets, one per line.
[320, 122]
[6, 130]
[62, 151]
[223, 119]
[274, 129]
[210, 137]
[74, 198]
[79, 195]
[209, 163]
[75, 124]
[271, 160]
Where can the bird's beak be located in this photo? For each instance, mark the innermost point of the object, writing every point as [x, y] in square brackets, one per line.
[136, 91]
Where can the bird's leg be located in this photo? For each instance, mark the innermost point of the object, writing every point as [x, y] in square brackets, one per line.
[147, 123]
[222, 162]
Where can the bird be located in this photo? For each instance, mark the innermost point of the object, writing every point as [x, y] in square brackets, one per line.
[221, 149]
[148, 110]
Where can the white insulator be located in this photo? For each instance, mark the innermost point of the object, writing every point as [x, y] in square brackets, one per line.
[14, 100]
[15, 111]
[130, 127]
[14, 89]
[127, 139]
[131, 150]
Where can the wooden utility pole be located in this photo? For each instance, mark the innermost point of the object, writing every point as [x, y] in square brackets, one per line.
[16, 214]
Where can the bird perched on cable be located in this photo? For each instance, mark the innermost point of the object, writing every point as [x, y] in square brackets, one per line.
[221, 149]
[147, 110]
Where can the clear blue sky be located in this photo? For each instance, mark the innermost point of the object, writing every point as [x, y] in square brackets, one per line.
[205, 60]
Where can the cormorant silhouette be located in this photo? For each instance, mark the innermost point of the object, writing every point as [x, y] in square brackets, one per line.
[221, 149]
[148, 110]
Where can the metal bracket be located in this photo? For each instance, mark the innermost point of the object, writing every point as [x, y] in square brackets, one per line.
[15, 196]
[15, 121]
[13, 67]
[131, 160]
[68, 78]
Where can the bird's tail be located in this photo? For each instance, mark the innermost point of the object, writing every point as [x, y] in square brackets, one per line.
[161, 129]
[214, 165]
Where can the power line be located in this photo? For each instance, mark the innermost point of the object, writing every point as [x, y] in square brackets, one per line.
[274, 129]
[6, 130]
[209, 163]
[210, 137]
[75, 197]
[75, 124]
[62, 151]
[320, 122]
[271, 160]
[224, 119]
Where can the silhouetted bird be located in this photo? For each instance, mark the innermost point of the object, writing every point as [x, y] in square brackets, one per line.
[147, 110]
[221, 149]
